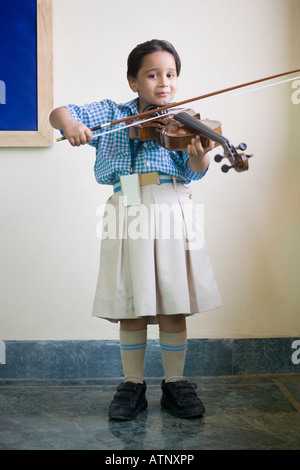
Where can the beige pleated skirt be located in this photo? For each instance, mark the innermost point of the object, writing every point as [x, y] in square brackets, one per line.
[154, 260]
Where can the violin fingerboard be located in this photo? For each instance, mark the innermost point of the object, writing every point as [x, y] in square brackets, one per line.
[198, 126]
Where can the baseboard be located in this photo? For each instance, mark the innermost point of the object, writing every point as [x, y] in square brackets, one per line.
[72, 359]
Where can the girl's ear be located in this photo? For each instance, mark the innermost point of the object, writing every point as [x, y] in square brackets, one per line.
[133, 84]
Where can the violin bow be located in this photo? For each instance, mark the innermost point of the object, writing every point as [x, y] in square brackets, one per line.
[190, 100]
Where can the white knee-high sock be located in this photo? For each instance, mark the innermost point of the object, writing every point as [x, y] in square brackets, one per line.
[173, 350]
[133, 348]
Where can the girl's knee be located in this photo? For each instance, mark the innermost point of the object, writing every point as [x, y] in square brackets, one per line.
[133, 324]
[172, 323]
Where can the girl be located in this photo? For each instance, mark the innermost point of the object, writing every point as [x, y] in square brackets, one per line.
[145, 275]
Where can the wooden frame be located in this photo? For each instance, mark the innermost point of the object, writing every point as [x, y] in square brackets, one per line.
[43, 137]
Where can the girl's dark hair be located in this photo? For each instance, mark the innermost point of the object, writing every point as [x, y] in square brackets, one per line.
[136, 56]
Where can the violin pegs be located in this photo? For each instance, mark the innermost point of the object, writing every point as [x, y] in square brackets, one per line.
[249, 156]
[226, 168]
[242, 146]
[218, 158]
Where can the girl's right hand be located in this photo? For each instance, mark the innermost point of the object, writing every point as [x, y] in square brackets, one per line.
[77, 133]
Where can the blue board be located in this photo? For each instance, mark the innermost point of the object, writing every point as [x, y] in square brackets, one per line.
[18, 65]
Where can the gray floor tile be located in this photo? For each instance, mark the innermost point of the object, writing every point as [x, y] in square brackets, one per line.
[254, 412]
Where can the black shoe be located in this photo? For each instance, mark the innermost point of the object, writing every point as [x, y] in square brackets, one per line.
[181, 399]
[129, 401]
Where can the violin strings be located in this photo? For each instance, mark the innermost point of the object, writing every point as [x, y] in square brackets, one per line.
[100, 134]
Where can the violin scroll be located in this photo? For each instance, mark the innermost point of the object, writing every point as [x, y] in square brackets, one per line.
[239, 161]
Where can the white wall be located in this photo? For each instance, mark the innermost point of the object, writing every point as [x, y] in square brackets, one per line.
[49, 249]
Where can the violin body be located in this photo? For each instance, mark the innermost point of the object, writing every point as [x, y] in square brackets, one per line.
[169, 133]
[175, 132]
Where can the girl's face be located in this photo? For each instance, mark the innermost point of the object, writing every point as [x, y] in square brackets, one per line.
[156, 80]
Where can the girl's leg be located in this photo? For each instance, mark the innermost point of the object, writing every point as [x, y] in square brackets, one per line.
[173, 344]
[133, 339]
[130, 398]
[178, 395]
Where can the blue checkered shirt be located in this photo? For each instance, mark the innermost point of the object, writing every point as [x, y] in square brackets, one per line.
[113, 154]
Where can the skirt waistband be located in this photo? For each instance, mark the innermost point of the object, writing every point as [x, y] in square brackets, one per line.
[154, 177]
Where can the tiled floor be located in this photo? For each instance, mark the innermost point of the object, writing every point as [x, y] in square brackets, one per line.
[248, 412]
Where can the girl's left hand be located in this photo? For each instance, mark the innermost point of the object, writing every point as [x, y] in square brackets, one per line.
[198, 156]
[196, 150]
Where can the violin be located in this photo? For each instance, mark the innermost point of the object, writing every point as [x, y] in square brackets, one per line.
[175, 131]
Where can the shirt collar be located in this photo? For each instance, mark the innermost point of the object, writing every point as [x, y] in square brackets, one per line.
[132, 105]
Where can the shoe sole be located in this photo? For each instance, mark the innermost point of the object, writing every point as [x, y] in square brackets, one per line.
[129, 416]
[182, 413]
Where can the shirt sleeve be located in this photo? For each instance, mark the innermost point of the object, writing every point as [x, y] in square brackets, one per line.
[191, 175]
[92, 114]
[181, 160]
